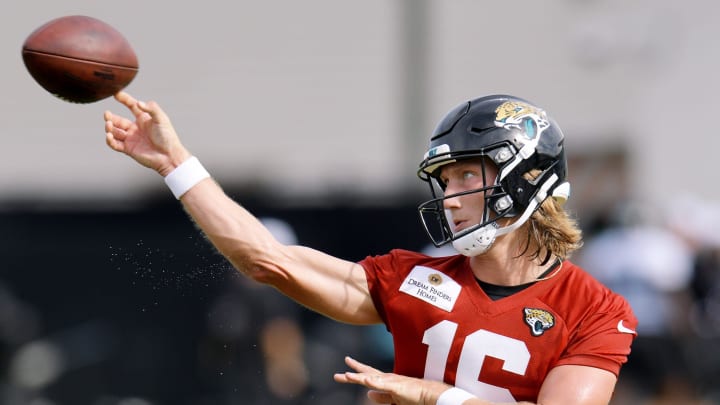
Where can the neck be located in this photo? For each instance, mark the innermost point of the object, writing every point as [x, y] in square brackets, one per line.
[504, 272]
[503, 266]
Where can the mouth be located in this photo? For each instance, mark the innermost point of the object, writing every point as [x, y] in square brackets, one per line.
[459, 225]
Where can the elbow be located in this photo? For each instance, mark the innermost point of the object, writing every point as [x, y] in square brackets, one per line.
[262, 274]
[259, 268]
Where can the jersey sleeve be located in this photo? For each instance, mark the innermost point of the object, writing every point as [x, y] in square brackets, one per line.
[603, 338]
[385, 273]
[375, 271]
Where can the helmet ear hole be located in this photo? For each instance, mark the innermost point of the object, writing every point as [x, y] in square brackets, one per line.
[502, 155]
[502, 205]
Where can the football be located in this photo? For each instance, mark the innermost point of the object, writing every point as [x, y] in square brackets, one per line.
[79, 59]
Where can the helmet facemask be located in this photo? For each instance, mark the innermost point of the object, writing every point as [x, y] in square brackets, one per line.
[438, 221]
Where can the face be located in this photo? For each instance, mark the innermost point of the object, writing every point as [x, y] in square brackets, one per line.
[466, 210]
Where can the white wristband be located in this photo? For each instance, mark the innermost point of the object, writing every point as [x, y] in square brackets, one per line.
[454, 396]
[185, 176]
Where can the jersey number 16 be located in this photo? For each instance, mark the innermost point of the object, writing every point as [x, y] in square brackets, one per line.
[514, 353]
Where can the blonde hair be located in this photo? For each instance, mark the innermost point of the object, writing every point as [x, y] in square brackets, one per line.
[551, 231]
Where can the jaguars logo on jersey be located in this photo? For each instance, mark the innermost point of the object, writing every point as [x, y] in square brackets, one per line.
[515, 114]
[539, 320]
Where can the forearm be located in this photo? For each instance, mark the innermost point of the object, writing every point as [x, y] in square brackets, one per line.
[328, 285]
[235, 232]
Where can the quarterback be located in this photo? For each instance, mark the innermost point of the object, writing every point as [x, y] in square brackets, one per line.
[507, 319]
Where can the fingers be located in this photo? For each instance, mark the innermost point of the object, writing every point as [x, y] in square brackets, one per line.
[369, 381]
[138, 108]
[124, 98]
[362, 375]
[370, 377]
[113, 143]
[117, 121]
[153, 109]
[114, 135]
[342, 378]
[128, 101]
[360, 367]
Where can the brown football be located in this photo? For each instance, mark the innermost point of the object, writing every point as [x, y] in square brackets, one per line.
[79, 59]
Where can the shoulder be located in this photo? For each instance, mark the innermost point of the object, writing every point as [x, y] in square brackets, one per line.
[401, 261]
[387, 272]
[585, 287]
[592, 303]
[585, 303]
[600, 323]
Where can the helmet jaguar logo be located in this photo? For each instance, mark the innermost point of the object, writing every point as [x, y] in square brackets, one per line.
[538, 320]
[515, 114]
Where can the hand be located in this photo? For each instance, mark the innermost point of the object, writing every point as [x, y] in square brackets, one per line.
[389, 388]
[150, 140]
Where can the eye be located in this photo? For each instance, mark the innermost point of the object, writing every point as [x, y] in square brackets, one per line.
[468, 174]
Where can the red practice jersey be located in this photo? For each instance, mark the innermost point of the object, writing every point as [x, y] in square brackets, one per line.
[445, 327]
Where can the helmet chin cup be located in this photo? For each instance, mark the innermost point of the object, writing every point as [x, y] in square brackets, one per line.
[476, 242]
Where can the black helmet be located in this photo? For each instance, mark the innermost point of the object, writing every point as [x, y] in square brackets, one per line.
[518, 137]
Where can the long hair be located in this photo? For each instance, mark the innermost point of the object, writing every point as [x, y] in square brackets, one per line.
[551, 231]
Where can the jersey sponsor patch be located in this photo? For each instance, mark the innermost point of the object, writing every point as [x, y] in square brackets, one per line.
[431, 286]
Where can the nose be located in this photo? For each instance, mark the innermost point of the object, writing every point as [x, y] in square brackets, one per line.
[453, 202]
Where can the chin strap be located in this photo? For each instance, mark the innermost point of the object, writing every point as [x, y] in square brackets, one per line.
[479, 241]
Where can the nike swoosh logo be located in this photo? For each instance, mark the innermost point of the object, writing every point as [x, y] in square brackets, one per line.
[623, 329]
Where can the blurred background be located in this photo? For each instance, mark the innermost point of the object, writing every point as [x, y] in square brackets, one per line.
[314, 115]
